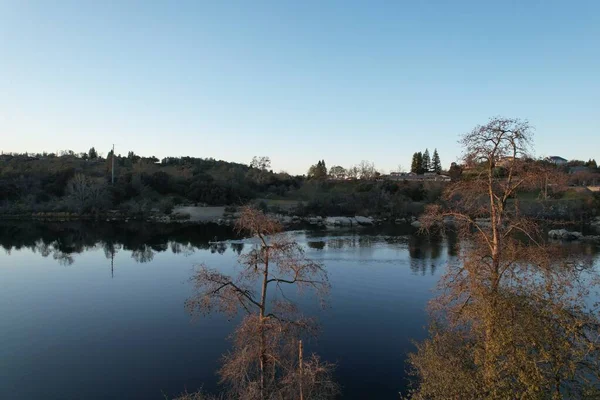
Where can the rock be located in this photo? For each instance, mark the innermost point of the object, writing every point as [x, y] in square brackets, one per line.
[558, 234]
[363, 220]
[416, 224]
[554, 233]
[563, 234]
[576, 235]
[398, 221]
[315, 220]
[340, 221]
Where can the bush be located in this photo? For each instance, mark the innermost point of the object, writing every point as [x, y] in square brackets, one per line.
[262, 206]
[180, 216]
[166, 206]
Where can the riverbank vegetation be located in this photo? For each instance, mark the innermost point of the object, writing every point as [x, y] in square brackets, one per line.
[83, 184]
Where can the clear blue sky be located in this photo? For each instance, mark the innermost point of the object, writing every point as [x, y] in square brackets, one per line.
[298, 81]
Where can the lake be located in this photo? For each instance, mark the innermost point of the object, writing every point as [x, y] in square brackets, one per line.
[96, 311]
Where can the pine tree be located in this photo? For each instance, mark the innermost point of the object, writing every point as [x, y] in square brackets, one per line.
[436, 165]
[591, 164]
[318, 171]
[426, 163]
[108, 161]
[414, 166]
[417, 163]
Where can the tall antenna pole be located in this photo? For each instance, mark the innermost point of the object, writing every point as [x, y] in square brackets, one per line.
[113, 166]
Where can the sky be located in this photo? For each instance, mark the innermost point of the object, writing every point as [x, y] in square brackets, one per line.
[297, 81]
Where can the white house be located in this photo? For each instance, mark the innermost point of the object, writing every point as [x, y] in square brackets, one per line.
[557, 160]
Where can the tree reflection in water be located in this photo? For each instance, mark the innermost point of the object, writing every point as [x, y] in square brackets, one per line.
[64, 240]
[424, 251]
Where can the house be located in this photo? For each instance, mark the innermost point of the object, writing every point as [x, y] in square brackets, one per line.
[398, 176]
[556, 160]
[411, 176]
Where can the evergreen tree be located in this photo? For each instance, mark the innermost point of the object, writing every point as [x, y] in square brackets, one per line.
[318, 170]
[591, 164]
[426, 161]
[93, 154]
[108, 161]
[436, 164]
[418, 162]
[323, 170]
[414, 166]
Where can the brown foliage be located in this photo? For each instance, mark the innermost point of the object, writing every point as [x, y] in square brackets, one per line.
[241, 367]
[264, 361]
[511, 320]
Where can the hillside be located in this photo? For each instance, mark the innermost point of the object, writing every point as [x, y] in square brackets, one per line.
[82, 184]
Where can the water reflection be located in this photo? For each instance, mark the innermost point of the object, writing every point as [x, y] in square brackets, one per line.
[341, 242]
[427, 254]
[424, 251]
[110, 249]
[181, 248]
[143, 254]
[64, 240]
[319, 245]
[378, 278]
[218, 247]
[237, 247]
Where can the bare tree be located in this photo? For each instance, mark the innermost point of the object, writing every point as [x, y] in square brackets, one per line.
[512, 319]
[367, 170]
[261, 163]
[338, 172]
[259, 169]
[86, 194]
[353, 172]
[264, 359]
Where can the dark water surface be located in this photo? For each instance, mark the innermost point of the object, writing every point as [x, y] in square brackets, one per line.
[97, 311]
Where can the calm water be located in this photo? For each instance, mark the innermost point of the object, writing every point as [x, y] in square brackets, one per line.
[97, 312]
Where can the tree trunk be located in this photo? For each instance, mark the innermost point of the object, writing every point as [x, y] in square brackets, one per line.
[496, 211]
[263, 302]
[300, 351]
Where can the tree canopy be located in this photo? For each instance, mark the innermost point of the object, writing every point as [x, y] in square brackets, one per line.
[318, 171]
